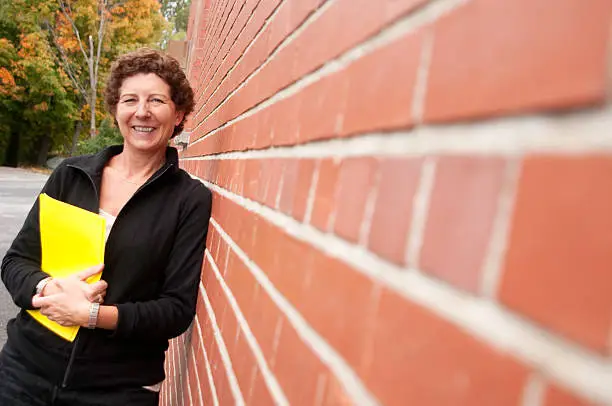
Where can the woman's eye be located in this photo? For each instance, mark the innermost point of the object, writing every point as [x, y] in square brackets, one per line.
[129, 100]
[157, 101]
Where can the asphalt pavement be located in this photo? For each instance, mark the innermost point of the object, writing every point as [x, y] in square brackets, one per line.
[18, 190]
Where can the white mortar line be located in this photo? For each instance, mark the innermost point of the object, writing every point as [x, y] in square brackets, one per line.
[275, 389]
[164, 393]
[312, 191]
[420, 17]
[211, 380]
[420, 88]
[327, 354]
[189, 384]
[227, 362]
[188, 350]
[574, 133]
[582, 371]
[496, 251]
[174, 372]
[534, 390]
[197, 375]
[212, 78]
[169, 371]
[420, 210]
[213, 12]
[194, 38]
[219, 23]
[259, 32]
[218, 51]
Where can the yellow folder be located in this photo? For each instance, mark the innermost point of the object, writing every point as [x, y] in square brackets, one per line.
[72, 240]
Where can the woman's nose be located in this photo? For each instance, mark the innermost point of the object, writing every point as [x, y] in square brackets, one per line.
[143, 110]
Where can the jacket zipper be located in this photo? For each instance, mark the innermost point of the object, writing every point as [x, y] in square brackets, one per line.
[74, 347]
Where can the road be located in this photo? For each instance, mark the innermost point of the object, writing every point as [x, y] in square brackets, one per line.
[18, 190]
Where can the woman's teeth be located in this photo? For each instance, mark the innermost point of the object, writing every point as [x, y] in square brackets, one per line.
[144, 129]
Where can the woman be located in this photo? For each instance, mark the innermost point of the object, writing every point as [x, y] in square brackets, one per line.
[157, 219]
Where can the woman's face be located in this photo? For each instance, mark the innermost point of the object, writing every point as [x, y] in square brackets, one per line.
[145, 113]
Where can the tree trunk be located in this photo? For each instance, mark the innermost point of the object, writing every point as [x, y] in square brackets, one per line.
[43, 151]
[12, 151]
[75, 137]
[92, 82]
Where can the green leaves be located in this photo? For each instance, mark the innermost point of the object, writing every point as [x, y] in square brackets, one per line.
[44, 74]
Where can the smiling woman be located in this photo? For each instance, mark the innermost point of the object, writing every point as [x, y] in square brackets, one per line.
[157, 219]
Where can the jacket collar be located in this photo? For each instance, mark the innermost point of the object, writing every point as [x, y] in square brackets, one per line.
[94, 164]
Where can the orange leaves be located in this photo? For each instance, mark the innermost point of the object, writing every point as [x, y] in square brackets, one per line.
[6, 78]
[41, 107]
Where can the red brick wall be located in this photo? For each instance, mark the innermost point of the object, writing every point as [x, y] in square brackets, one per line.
[412, 203]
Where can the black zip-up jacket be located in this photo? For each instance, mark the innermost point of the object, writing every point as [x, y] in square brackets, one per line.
[152, 260]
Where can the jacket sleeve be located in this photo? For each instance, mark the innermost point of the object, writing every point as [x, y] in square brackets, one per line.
[171, 314]
[21, 265]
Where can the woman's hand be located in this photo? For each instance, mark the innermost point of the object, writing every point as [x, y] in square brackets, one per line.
[67, 300]
[94, 292]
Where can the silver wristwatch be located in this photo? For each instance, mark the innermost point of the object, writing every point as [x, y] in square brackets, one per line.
[40, 286]
[94, 309]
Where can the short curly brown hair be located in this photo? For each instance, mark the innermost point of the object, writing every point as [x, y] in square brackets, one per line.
[147, 60]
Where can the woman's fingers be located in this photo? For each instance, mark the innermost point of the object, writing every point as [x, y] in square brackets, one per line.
[97, 291]
[89, 272]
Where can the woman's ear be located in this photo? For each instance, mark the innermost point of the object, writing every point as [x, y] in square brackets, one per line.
[179, 117]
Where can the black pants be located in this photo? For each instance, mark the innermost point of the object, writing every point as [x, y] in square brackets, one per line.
[20, 387]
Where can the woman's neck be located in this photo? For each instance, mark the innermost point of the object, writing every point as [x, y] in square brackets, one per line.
[138, 164]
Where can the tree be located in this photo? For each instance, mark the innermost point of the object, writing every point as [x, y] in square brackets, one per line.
[36, 107]
[122, 22]
[51, 73]
[176, 13]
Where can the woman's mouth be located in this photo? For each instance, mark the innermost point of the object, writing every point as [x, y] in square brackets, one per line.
[143, 129]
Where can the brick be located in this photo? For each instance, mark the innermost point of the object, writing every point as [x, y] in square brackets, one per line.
[228, 326]
[296, 367]
[286, 127]
[219, 374]
[263, 320]
[325, 193]
[399, 180]
[194, 383]
[355, 184]
[289, 185]
[493, 57]
[418, 358]
[266, 235]
[265, 130]
[322, 107]
[462, 209]
[260, 395]
[297, 177]
[252, 179]
[243, 362]
[241, 282]
[306, 169]
[334, 393]
[291, 267]
[381, 87]
[557, 396]
[271, 173]
[560, 239]
[329, 305]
